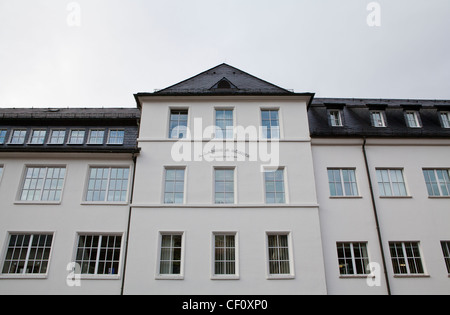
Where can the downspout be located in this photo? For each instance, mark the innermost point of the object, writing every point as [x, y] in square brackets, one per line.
[375, 212]
[128, 226]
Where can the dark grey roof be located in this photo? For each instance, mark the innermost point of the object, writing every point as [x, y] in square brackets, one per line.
[357, 122]
[107, 119]
[209, 83]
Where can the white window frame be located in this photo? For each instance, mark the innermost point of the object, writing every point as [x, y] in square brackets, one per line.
[2, 170]
[407, 260]
[23, 138]
[438, 183]
[284, 170]
[97, 138]
[121, 138]
[445, 119]
[265, 132]
[170, 131]
[415, 123]
[354, 259]
[60, 141]
[158, 274]
[343, 183]
[223, 134]
[291, 274]
[40, 201]
[234, 184]
[3, 138]
[24, 275]
[446, 252]
[40, 136]
[96, 275]
[378, 123]
[335, 121]
[69, 140]
[106, 201]
[406, 195]
[171, 168]
[215, 276]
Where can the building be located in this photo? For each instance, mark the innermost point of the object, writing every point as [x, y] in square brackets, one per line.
[225, 184]
[65, 186]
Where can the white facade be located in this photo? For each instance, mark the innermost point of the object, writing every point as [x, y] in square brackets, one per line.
[249, 218]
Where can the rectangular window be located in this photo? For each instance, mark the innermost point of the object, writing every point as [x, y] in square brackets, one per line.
[391, 182]
[108, 184]
[279, 256]
[1, 172]
[224, 124]
[275, 190]
[174, 186]
[342, 182]
[225, 255]
[270, 124]
[446, 251]
[3, 135]
[224, 186]
[116, 136]
[43, 184]
[353, 258]
[18, 136]
[170, 260]
[96, 136]
[335, 118]
[57, 136]
[38, 136]
[412, 119]
[438, 182]
[378, 119]
[28, 254]
[98, 254]
[77, 136]
[178, 124]
[445, 119]
[406, 258]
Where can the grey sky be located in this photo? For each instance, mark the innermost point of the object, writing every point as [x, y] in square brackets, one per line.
[128, 46]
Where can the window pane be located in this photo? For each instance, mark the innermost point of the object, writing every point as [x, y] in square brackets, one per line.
[174, 186]
[270, 124]
[178, 124]
[278, 249]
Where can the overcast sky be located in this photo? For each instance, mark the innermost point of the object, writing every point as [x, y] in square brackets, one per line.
[122, 47]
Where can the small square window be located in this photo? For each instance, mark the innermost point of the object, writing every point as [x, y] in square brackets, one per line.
[116, 136]
[406, 258]
[57, 136]
[378, 119]
[353, 258]
[77, 136]
[335, 118]
[18, 136]
[413, 119]
[38, 136]
[96, 136]
[445, 119]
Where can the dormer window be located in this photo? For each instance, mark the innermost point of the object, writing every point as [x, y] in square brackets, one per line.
[413, 119]
[445, 119]
[378, 119]
[224, 84]
[335, 118]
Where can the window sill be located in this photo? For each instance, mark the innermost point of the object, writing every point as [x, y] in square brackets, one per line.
[345, 197]
[280, 277]
[229, 277]
[49, 203]
[438, 197]
[412, 276]
[169, 277]
[396, 197]
[103, 203]
[99, 277]
[22, 276]
[356, 276]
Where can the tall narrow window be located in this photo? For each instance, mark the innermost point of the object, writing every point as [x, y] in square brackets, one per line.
[170, 261]
[342, 182]
[57, 136]
[38, 136]
[353, 258]
[378, 119]
[27, 254]
[225, 255]
[18, 136]
[270, 124]
[438, 182]
[446, 251]
[43, 184]
[224, 124]
[174, 186]
[76, 136]
[108, 184]
[406, 258]
[335, 118]
[99, 254]
[96, 136]
[391, 182]
[3, 135]
[412, 119]
[224, 186]
[279, 256]
[275, 190]
[1, 172]
[116, 136]
[178, 124]
[445, 119]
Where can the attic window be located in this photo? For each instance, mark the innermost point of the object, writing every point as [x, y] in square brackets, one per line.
[224, 85]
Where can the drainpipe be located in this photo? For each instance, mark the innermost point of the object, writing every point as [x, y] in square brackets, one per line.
[128, 226]
[375, 212]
